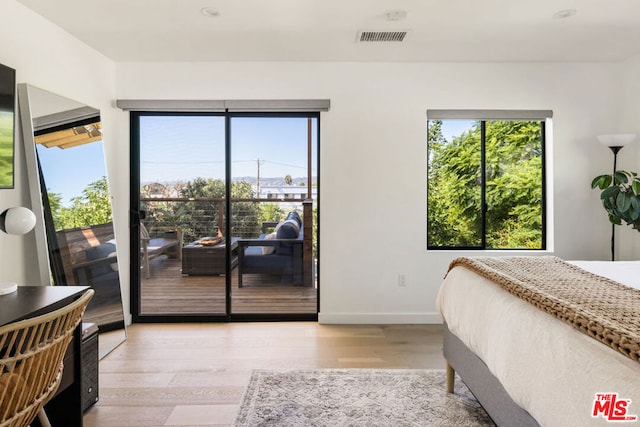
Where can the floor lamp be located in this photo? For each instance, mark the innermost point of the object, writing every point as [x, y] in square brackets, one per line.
[615, 142]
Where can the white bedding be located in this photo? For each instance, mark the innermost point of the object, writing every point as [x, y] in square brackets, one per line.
[549, 368]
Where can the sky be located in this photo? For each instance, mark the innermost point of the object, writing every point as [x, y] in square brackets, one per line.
[454, 128]
[280, 145]
[185, 147]
[181, 148]
[69, 171]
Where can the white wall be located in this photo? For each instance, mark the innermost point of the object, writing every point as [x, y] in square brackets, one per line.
[375, 133]
[45, 56]
[630, 156]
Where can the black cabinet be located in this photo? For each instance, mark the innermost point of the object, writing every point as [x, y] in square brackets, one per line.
[89, 365]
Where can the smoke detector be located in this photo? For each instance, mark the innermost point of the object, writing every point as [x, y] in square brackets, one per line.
[210, 12]
[395, 15]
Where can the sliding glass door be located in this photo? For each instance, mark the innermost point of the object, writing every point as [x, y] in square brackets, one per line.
[224, 215]
[181, 202]
[273, 196]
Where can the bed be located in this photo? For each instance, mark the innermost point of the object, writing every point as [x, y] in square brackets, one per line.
[528, 367]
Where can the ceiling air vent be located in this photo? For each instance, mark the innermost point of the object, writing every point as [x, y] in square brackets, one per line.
[381, 36]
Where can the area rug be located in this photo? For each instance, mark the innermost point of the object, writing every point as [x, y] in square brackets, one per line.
[357, 398]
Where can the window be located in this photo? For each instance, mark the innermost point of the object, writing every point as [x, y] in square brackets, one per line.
[486, 179]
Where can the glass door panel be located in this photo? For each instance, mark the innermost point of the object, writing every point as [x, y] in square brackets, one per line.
[182, 203]
[273, 196]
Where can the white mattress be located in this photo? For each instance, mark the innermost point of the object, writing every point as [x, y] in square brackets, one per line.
[549, 368]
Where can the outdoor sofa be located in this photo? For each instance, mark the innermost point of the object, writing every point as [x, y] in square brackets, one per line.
[278, 253]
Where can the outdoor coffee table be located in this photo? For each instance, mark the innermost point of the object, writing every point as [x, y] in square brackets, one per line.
[202, 260]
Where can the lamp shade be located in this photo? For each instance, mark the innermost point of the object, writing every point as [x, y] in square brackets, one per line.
[616, 139]
[17, 220]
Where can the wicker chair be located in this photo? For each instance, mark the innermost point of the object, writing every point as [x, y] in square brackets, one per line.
[31, 356]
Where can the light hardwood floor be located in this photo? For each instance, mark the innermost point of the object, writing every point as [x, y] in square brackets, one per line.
[196, 374]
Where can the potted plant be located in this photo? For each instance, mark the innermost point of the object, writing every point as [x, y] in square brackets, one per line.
[620, 197]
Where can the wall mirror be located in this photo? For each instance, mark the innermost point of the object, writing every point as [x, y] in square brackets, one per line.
[69, 193]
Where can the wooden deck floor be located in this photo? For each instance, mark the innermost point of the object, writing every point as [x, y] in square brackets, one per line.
[169, 292]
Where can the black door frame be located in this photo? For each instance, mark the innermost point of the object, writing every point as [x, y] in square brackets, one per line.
[135, 217]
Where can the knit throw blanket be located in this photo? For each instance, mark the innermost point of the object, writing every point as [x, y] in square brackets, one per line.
[601, 308]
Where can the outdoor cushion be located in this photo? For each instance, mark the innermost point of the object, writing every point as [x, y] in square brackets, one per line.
[288, 230]
[266, 250]
[296, 216]
[104, 250]
[262, 250]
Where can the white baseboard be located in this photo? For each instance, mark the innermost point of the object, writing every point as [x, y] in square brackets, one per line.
[379, 318]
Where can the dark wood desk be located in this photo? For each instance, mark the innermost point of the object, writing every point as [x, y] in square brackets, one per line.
[65, 409]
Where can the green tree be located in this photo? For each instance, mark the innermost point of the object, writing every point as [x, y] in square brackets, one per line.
[55, 206]
[200, 217]
[270, 212]
[92, 207]
[245, 215]
[513, 186]
[453, 189]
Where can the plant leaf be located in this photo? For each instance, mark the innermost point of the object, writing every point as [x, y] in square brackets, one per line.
[610, 192]
[623, 202]
[621, 177]
[601, 181]
[614, 220]
[634, 212]
[635, 186]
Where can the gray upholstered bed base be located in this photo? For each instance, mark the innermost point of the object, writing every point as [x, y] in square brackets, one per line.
[483, 384]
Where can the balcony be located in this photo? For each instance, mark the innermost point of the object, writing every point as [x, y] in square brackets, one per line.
[192, 281]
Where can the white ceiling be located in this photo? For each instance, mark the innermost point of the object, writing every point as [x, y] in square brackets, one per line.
[325, 30]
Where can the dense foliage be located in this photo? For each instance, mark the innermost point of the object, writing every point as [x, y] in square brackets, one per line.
[92, 207]
[513, 186]
[199, 216]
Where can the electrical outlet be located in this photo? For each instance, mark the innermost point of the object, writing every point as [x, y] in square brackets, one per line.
[402, 279]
